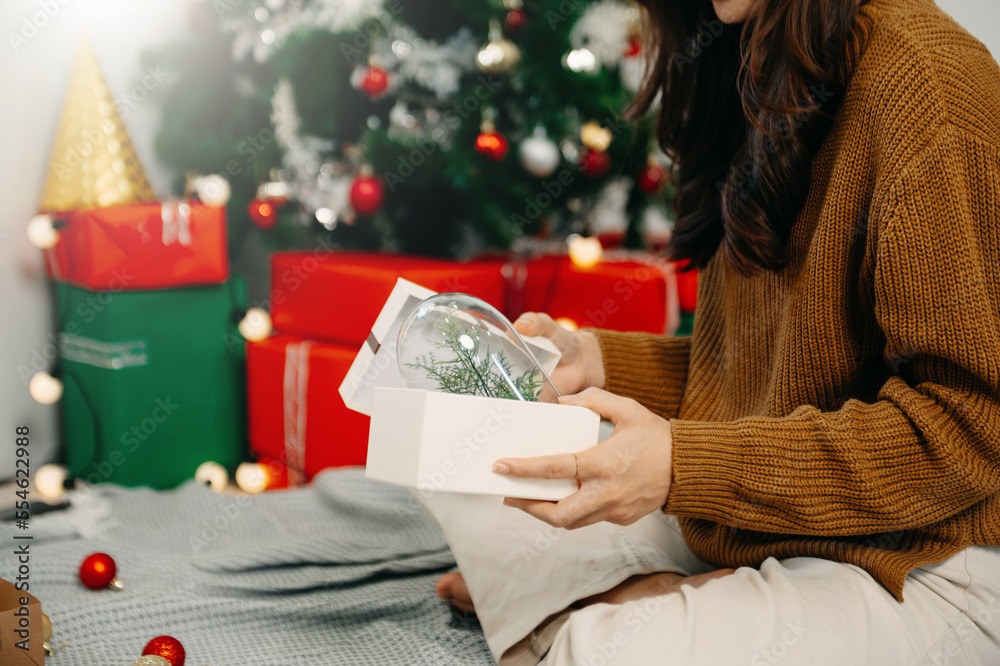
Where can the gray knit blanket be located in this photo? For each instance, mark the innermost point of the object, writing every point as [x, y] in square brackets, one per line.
[339, 572]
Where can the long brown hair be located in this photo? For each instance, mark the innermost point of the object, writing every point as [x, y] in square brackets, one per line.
[743, 110]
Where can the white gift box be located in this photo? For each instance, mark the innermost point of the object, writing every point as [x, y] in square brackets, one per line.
[430, 440]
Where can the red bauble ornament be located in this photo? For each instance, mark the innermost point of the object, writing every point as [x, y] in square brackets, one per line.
[493, 145]
[367, 195]
[375, 81]
[515, 20]
[263, 213]
[652, 178]
[594, 163]
[634, 47]
[167, 647]
[97, 571]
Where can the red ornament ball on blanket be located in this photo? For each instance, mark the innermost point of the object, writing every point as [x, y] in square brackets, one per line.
[97, 571]
[167, 647]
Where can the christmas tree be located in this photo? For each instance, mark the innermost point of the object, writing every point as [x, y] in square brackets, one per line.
[434, 127]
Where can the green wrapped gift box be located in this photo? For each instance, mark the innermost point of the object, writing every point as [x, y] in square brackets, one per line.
[154, 382]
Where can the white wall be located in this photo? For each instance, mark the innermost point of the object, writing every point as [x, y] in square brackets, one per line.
[980, 17]
[33, 79]
[32, 82]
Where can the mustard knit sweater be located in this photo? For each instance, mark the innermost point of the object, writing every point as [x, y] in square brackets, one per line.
[848, 406]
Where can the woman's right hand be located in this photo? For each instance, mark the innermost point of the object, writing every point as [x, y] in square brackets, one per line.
[581, 365]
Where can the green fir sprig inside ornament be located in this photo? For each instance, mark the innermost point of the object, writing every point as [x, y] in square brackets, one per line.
[474, 371]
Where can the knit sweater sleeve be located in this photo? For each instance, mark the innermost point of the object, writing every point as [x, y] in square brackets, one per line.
[929, 446]
[651, 369]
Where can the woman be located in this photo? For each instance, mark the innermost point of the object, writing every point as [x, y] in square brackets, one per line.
[829, 437]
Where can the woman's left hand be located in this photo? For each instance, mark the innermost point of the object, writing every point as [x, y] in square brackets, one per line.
[622, 479]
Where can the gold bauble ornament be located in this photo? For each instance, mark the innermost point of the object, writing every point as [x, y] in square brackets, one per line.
[499, 55]
[595, 137]
[93, 162]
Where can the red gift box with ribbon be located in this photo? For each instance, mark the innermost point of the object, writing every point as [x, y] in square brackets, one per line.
[140, 246]
[623, 294]
[335, 296]
[296, 414]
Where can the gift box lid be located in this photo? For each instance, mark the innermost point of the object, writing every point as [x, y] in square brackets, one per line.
[375, 363]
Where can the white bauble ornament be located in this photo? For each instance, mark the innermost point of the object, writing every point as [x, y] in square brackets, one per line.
[539, 154]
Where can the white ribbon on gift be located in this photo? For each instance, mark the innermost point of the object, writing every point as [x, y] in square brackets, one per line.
[296, 382]
[176, 216]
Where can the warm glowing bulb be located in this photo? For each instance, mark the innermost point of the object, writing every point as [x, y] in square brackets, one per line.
[251, 477]
[45, 388]
[568, 323]
[213, 190]
[42, 232]
[256, 325]
[581, 61]
[213, 475]
[49, 480]
[584, 252]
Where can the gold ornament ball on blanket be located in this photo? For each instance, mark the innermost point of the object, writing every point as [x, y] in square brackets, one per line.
[151, 660]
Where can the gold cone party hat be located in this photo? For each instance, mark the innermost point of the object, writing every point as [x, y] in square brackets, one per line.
[93, 161]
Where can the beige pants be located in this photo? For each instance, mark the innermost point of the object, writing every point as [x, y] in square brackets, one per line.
[523, 575]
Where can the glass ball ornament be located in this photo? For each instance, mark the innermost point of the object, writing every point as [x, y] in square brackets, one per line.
[457, 343]
[498, 55]
[167, 647]
[539, 154]
[492, 144]
[98, 570]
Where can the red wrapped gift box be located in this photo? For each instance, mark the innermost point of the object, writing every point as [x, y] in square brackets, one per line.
[687, 287]
[617, 295]
[296, 415]
[335, 296]
[141, 246]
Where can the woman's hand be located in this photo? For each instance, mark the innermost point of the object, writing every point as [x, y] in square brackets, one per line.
[581, 365]
[622, 479]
